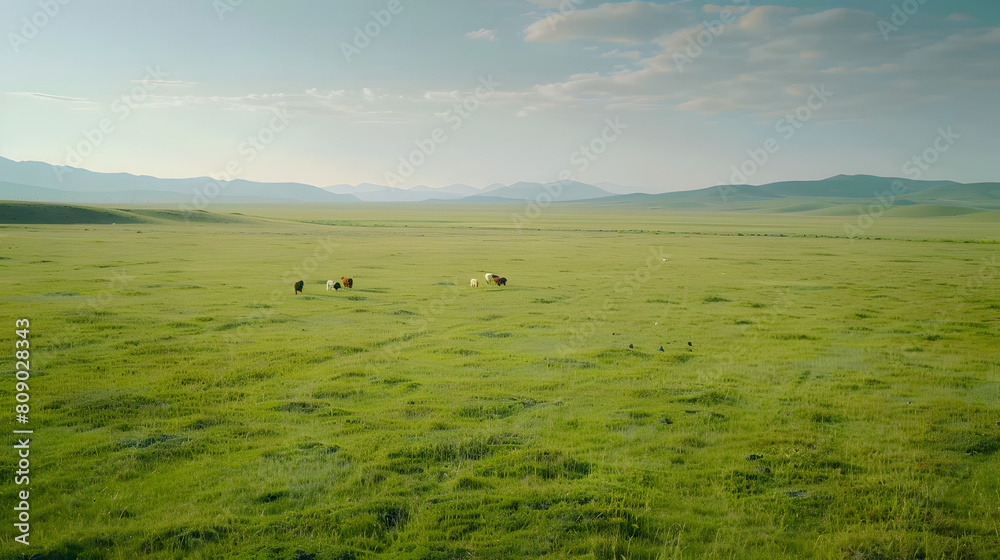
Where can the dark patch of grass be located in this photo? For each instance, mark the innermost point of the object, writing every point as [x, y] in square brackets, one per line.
[149, 441]
[823, 417]
[318, 447]
[545, 464]
[617, 355]
[710, 398]
[471, 483]
[272, 497]
[204, 424]
[492, 334]
[983, 445]
[299, 407]
[566, 362]
[491, 412]
[744, 483]
[715, 299]
[793, 336]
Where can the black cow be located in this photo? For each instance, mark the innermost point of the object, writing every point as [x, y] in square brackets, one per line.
[501, 281]
[336, 286]
[298, 286]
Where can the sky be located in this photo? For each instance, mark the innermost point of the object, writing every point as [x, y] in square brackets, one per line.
[659, 95]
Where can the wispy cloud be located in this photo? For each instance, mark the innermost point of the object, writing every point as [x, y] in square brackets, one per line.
[165, 82]
[50, 96]
[635, 55]
[488, 34]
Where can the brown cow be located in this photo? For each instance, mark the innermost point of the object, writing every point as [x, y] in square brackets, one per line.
[347, 282]
[298, 286]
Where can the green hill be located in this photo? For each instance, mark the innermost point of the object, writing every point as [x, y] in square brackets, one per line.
[41, 213]
[46, 213]
[929, 211]
[976, 195]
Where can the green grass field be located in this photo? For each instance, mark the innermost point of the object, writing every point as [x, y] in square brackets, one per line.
[816, 397]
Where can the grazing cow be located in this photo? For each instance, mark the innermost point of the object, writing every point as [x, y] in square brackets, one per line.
[491, 278]
[329, 285]
[298, 286]
[347, 282]
[474, 283]
[501, 281]
[336, 286]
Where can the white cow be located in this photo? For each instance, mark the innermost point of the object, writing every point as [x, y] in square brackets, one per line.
[329, 285]
[474, 283]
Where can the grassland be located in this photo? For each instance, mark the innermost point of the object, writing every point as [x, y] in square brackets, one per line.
[816, 396]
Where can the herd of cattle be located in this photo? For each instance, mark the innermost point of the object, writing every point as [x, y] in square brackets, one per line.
[346, 282]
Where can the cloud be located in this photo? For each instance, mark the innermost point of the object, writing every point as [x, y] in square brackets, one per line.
[761, 61]
[549, 4]
[960, 17]
[49, 96]
[714, 9]
[165, 82]
[622, 54]
[489, 34]
[623, 22]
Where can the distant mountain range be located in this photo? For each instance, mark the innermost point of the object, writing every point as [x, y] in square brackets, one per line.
[840, 195]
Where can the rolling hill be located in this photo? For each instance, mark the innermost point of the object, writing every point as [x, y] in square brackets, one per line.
[842, 195]
[29, 180]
